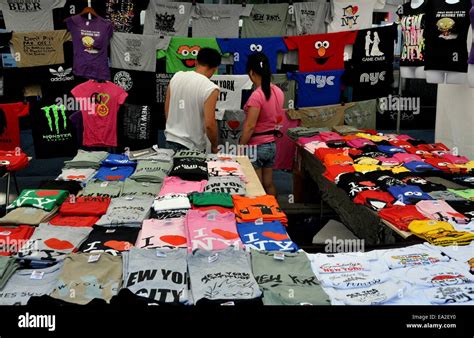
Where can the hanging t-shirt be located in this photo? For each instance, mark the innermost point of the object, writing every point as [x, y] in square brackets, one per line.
[312, 17]
[212, 20]
[100, 115]
[267, 236]
[137, 126]
[9, 124]
[39, 49]
[57, 81]
[90, 40]
[375, 45]
[321, 52]
[136, 51]
[167, 19]
[136, 84]
[211, 231]
[29, 16]
[412, 22]
[447, 26]
[288, 87]
[317, 89]
[182, 52]
[53, 133]
[5, 42]
[242, 48]
[370, 81]
[230, 90]
[221, 275]
[162, 82]
[109, 240]
[352, 15]
[127, 211]
[125, 14]
[157, 274]
[230, 127]
[161, 233]
[176, 185]
[265, 21]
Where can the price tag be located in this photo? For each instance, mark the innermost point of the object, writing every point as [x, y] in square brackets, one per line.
[212, 258]
[110, 231]
[72, 199]
[129, 198]
[160, 254]
[228, 304]
[114, 168]
[145, 184]
[93, 258]
[37, 275]
[259, 221]
[279, 256]
[211, 217]
[104, 184]
[346, 152]
[5, 233]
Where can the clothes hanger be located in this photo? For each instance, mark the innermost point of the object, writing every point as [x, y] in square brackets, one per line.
[89, 10]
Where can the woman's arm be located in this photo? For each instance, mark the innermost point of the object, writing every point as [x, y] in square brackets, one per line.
[249, 125]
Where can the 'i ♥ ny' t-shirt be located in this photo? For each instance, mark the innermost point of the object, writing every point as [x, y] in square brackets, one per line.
[99, 103]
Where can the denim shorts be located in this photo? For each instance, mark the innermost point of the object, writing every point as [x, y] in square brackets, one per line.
[265, 156]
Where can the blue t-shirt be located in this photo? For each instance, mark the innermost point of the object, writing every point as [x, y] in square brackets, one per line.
[114, 160]
[391, 150]
[408, 194]
[269, 236]
[317, 89]
[118, 173]
[242, 48]
[419, 167]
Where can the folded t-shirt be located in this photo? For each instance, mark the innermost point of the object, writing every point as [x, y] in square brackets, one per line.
[41, 199]
[134, 188]
[171, 202]
[85, 206]
[98, 188]
[211, 198]
[268, 236]
[176, 185]
[117, 173]
[110, 240]
[229, 185]
[151, 171]
[127, 211]
[190, 169]
[160, 233]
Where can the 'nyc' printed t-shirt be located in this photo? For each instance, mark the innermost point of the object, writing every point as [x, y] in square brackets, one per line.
[162, 233]
[321, 52]
[242, 48]
[90, 40]
[353, 15]
[318, 89]
[100, 103]
[412, 22]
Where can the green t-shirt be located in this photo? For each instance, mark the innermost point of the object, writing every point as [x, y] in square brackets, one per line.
[182, 52]
[40, 199]
[212, 199]
[467, 194]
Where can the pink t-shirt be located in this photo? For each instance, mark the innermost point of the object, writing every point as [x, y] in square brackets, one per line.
[158, 233]
[175, 185]
[406, 158]
[211, 231]
[271, 113]
[99, 104]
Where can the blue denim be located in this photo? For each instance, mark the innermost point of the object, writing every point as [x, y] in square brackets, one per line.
[265, 156]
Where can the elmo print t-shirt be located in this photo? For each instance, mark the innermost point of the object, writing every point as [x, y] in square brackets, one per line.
[321, 52]
[9, 124]
[100, 103]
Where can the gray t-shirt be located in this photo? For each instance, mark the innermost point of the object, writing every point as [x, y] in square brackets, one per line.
[167, 19]
[27, 215]
[220, 21]
[195, 154]
[229, 185]
[288, 87]
[151, 171]
[127, 211]
[158, 154]
[134, 188]
[361, 114]
[29, 16]
[8, 266]
[230, 127]
[103, 188]
[86, 159]
[136, 51]
[266, 21]
[221, 275]
[311, 17]
[159, 274]
[28, 283]
[290, 281]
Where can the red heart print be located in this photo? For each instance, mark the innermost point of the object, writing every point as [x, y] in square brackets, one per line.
[355, 9]
[46, 193]
[225, 234]
[76, 177]
[279, 118]
[58, 244]
[119, 245]
[233, 124]
[367, 184]
[113, 177]
[274, 235]
[229, 169]
[174, 240]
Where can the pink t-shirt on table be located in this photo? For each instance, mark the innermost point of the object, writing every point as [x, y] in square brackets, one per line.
[158, 233]
[99, 104]
[175, 185]
[271, 113]
[211, 231]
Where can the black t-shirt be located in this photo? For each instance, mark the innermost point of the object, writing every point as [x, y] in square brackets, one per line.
[447, 26]
[137, 126]
[125, 14]
[162, 82]
[336, 144]
[424, 185]
[412, 22]
[110, 240]
[354, 183]
[190, 169]
[370, 81]
[464, 180]
[72, 186]
[53, 132]
[139, 85]
[375, 46]
[464, 207]
[384, 179]
[5, 42]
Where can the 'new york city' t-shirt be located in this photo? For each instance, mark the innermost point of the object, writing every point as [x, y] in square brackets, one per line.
[412, 22]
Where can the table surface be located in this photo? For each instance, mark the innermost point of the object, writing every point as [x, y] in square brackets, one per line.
[254, 187]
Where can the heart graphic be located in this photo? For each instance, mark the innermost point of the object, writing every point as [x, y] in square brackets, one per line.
[274, 235]
[119, 245]
[367, 184]
[279, 118]
[229, 169]
[233, 124]
[174, 240]
[113, 178]
[46, 193]
[355, 9]
[225, 234]
[103, 98]
[58, 244]
[74, 177]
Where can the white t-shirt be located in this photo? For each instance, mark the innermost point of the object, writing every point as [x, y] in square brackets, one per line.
[376, 294]
[185, 124]
[416, 255]
[230, 95]
[353, 15]
[442, 274]
[171, 202]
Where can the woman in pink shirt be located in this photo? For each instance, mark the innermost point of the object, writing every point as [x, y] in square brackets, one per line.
[262, 109]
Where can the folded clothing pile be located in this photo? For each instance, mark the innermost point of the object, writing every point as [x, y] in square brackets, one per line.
[13, 160]
[135, 188]
[81, 175]
[8, 267]
[13, 238]
[440, 233]
[266, 236]
[401, 216]
[86, 159]
[81, 211]
[98, 188]
[190, 169]
[203, 199]
[151, 171]
[230, 185]
[46, 200]
[127, 211]
[225, 169]
[110, 240]
[116, 167]
[250, 209]
[157, 233]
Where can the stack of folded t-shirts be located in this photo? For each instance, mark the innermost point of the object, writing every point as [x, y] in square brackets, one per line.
[82, 211]
[251, 209]
[154, 153]
[212, 201]
[230, 185]
[266, 236]
[440, 233]
[134, 188]
[116, 167]
[8, 267]
[82, 175]
[401, 216]
[98, 188]
[151, 171]
[86, 159]
[129, 211]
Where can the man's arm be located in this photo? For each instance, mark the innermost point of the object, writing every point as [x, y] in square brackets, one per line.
[210, 119]
[167, 102]
[249, 126]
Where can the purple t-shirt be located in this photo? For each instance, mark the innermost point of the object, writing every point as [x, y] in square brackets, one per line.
[76, 119]
[471, 56]
[90, 39]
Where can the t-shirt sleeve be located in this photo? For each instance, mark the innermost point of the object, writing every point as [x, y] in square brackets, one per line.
[255, 100]
[245, 11]
[122, 95]
[59, 3]
[329, 17]
[292, 42]
[379, 4]
[350, 37]
[22, 109]
[225, 45]
[281, 46]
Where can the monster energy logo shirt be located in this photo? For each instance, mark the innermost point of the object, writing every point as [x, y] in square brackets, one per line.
[53, 132]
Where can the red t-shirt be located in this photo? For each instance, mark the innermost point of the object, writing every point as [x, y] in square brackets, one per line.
[320, 52]
[85, 206]
[99, 104]
[74, 221]
[9, 124]
[12, 239]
